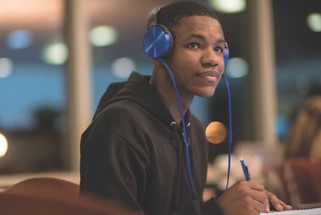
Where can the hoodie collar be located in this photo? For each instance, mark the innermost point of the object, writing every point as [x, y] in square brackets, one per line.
[136, 89]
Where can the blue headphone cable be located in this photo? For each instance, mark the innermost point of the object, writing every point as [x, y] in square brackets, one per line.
[189, 167]
[230, 134]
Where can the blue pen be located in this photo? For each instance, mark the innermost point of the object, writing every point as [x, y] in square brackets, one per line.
[245, 170]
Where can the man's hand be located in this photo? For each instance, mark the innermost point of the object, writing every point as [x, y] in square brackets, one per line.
[249, 198]
[276, 203]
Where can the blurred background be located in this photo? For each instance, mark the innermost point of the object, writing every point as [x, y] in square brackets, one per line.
[57, 58]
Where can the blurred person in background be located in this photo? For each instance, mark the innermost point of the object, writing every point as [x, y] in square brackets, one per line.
[304, 138]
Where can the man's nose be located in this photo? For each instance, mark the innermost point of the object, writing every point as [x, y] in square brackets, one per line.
[210, 58]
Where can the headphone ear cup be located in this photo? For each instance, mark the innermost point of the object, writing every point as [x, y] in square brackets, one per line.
[226, 55]
[157, 41]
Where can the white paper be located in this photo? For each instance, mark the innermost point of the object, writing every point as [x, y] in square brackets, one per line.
[310, 211]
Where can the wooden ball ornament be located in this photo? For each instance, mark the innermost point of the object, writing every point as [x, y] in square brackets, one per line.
[215, 132]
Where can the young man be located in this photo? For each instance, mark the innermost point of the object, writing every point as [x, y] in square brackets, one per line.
[140, 151]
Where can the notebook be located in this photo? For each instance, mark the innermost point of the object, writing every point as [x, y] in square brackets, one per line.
[306, 211]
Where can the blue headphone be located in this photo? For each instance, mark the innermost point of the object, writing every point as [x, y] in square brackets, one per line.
[158, 40]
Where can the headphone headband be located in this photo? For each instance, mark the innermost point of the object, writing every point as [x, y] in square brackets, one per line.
[152, 18]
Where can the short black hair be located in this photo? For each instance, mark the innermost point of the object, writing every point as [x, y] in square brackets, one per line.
[171, 14]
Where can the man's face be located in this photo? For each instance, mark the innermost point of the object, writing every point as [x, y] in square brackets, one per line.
[197, 60]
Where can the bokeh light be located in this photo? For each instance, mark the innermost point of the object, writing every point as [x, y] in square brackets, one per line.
[122, 67]
[237, 68]
[314, 22]
[19, 39]
[55, 53]
[3, 145]
[103, 36]
[228, 6]
[5, 67]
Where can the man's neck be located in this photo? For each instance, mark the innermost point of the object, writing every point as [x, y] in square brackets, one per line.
[164, 86]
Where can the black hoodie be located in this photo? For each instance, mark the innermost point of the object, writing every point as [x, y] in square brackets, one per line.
[133, 153]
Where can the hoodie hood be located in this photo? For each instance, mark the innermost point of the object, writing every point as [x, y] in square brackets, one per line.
[137, 89]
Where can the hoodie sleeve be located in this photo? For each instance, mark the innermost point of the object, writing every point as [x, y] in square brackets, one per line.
[112, 169]
[209, 207]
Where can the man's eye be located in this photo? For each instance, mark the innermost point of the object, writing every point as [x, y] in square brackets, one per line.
[219, 49]
[194, 45]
